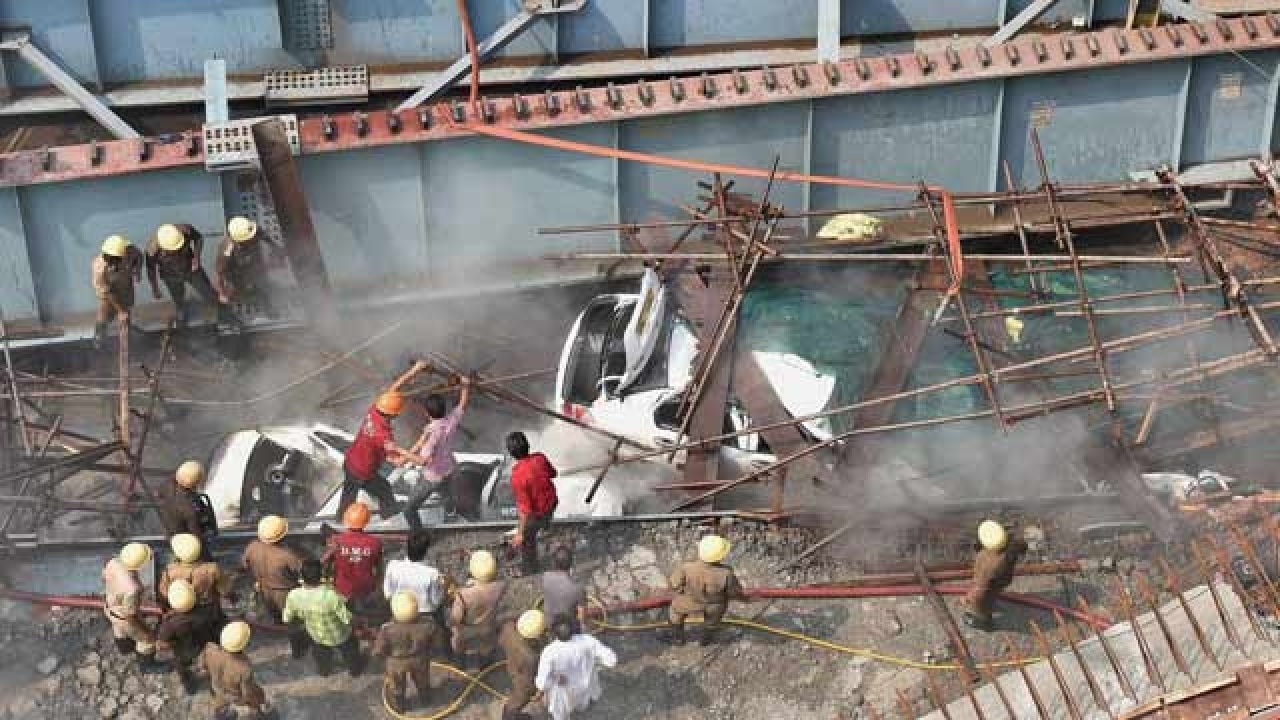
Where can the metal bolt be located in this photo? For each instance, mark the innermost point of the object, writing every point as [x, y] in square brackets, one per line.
[984, 55]
[551, 103]
[193, 143]
[800, 75]
[895, 68]
[1147, 38]
[1011, 52]
[832, 71]
[740, 83]
[583, 100]
[953, 58]
[1273, 23]
[1250, 27]
[770, 79]
[46, 159]
[488, 111]
[1041, 51]
[393, 122]
[677, 89]
[1224, 29]
[862, 68]
[95, 152]
[458, 111]
[144, 150]
[708, 86]
[520, 106]
[362, 124]
[1091, 42]
[330, 130]
[424, 119]
[1201, 34]
[614, 95]
[1068, 48]
[1122, 42]
[1175, 35]
[645, 92]
[924, 62]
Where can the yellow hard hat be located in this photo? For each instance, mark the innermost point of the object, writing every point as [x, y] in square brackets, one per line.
[271, 528]
[189, 474]
[712, 549]
[170, 238]
[182, 597]
[235, 636]
[404, 606]
[115, 246]
[531, 624]
[1013, 325]
[135, 555]
[483, 566]
[242, 229]
[992, 535]
[185, 547]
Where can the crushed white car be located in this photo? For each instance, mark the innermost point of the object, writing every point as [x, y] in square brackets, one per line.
[296, 471]
[629, 359]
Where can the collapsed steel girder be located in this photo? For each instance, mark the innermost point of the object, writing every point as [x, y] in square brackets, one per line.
[1050, 53]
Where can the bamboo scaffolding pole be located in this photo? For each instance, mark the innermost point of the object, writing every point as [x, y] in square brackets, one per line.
[19, 412]
[1060, 304]
[868, 257]
[1037, 281]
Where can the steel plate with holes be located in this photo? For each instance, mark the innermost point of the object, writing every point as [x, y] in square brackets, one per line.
[343, 83]
[230, 145]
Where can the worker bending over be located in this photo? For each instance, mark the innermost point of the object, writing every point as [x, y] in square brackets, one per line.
[231, 675]
[184, 509]
[521, 642]
[122, 604]
[473, 617]
[992, 572]
[569, 669]
[406, 644]
[373, 445]
[115, 270]
[535, 495]
[174, 256]
[275, 569]
[327, 620]
[240, 271]
[705, 586]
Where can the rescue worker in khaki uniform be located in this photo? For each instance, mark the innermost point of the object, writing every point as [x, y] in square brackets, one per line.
[703, 587]
[992, 572]
[122, 600]
[206, 579]
[184, 631]
[276, 569]
[406, 644]
[231, 675]
[473, 617]
[520, 641]
[174, 256]
[115, 271]
[240, 274]
[184, 509]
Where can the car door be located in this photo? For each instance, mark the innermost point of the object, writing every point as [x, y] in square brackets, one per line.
[645, 327]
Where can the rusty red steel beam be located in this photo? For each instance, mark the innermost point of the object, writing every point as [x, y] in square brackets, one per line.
[1035, 55]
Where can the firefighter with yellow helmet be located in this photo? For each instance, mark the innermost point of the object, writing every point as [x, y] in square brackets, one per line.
[993, 570]
[704, 586]
[240, 273]
[174, 257]
[122, 604]
[185, 509]
[231, 675]
[406, 644]
[115, 270]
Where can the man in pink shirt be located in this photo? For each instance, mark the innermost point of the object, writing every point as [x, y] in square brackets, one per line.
[434, 452]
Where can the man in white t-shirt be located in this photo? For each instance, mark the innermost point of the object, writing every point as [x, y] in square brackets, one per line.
[413, 575]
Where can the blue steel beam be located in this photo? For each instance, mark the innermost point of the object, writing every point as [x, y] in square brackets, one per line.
[1019, 22]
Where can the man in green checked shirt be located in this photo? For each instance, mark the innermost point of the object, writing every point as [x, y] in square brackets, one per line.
[327, 619]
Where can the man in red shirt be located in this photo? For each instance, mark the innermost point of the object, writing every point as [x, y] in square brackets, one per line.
[535, 495]
[374, 443]
[357, 558]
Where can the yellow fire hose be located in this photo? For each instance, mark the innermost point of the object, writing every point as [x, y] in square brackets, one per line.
[474, 681]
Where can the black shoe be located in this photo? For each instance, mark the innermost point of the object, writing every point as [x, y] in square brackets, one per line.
[148, 665]
[188, 682]
[125, 646]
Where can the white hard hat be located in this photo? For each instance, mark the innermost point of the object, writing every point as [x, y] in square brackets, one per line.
[170, 238]
[135, 555]
[181, 597]
[241, 229]
[531, 624]
[235, 636]
[992, 535]
[404, 606]
[483, 566]
[185, 547]
[189, 474]
[712, 549]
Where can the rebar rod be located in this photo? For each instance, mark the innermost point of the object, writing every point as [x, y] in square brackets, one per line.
[1041, 709]
[1036, 280]
[1251, 554]
[1073, 709]
[1139, 635]
[1175, 588]
[18, 410]
[1062, 229]
[935, 696]
[1116, 668]
[1227, 625]
[1099, 697]
[990, 678]
[1153, 604]
[865, 257]
[1246, 600]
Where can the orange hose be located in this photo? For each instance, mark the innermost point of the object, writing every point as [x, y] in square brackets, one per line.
[464, 17]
